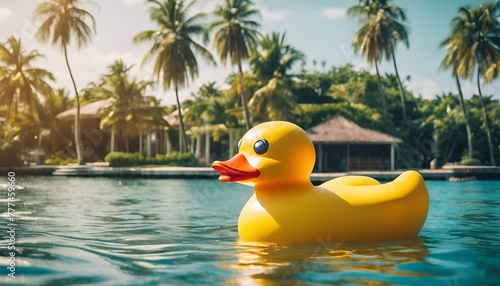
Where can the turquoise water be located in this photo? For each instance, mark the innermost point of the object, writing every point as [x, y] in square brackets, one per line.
[110, 231]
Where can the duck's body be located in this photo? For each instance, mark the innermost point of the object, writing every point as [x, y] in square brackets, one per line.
[348, 209]
[289, 208]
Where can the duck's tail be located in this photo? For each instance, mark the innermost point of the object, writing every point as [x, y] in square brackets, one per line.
[397, 209]
[360, 190]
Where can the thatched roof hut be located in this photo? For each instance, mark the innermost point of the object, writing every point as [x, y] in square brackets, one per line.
[90, 110]
[342, 145]
[342, 130]
[155, 141]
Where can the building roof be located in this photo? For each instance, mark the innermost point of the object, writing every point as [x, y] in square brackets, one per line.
[341, 130]
[90, 110]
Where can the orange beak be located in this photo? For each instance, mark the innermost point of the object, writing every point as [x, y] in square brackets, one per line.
[235, 169]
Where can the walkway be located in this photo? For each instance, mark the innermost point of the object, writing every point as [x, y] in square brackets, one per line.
[448, 173]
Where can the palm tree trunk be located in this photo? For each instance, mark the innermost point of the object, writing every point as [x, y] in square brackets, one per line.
[182, 133]
[464, 111]
[401, 91]
[243, 96]
[78, 129]
[381, 89]
[488, 133]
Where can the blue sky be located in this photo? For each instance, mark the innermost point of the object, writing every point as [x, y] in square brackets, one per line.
[319, 28]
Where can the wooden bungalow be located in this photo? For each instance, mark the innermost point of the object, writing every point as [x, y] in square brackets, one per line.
[92, 136]
[149, 142]
[342, 145]
[161, 140]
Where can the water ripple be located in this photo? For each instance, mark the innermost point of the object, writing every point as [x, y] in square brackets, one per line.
[79, 231]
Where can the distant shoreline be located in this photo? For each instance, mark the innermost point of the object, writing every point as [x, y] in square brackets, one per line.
[448, 173]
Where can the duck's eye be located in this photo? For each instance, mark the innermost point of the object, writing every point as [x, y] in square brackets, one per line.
[239, 145]
[261, 146]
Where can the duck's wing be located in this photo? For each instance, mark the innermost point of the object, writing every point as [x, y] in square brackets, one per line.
[358, 190]
[350, 181]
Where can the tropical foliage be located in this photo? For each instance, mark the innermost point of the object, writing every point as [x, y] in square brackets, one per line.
[211, 105]
[381, 29]
[448, 127]
[236, 38]
[475, 45]
[63, 21]
[20, 82]
[274, 100]
[129, 111]
[37, 129]
[174, 48]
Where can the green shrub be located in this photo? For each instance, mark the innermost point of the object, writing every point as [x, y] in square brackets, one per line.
[466, 160]
[162, 159]
[120, 159]
[60, 158]
[182, 159]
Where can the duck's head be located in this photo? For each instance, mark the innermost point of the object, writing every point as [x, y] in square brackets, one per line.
[275, 152]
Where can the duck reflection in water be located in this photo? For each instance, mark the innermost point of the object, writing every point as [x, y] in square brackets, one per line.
[294, 264]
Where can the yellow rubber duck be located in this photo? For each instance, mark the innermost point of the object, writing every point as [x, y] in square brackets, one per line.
[277, 158]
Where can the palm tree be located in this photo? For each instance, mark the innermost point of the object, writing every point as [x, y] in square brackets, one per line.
[174, 47]
[211, 104]
[452, 60]
[276, 57]
[32, 128]
[63, 19]
[130, 110]
[236, 38]
[381, 30]
[19, 81]
[210, 89]
[487, 52]
[476, 41]
[274, 100]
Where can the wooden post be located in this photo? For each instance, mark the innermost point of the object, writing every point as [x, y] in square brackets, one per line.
[207, 145]
[392, 157]
[198, 145]
[157, 143]
[148, 145]
[167, 142]
[140, 142]
[112, 143]
[320, 157]
[192, 144]
[231, 144]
